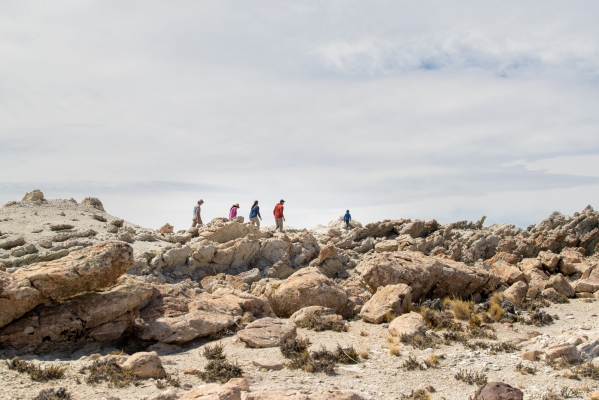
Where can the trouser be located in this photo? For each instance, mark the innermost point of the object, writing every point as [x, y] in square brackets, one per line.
[279, 222]
[255, 221]
[346, 224]
[197, 222]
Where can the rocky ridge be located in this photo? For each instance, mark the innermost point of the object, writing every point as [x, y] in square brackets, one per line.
[75, 280]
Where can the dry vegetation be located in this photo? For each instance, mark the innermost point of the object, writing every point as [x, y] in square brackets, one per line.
[35, 371]
[318, 323]
[107, 371]
[53, 394]
[322, 360]
[471, 377]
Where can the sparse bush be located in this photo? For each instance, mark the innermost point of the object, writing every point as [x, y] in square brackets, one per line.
[411, 364]
[317, 323]
[588, 370]
[36, 372]
[470, 377]
[214, 352]
[347, 355]
[363, 333]
[109, 371]
[419, 341]
[525, 369]
[432, 361]
[294, 348]
[439, 320]
[220, 370]
[321, 360]
[394, 350]
[170, 380]
[277, 306]
[461, 309]
[53, 394]
[460, 337]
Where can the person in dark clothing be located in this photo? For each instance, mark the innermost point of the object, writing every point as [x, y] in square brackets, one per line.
[347, 219]
[255, 214]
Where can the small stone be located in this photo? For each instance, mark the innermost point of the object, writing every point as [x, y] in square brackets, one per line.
[267, 364]
[191, 371]
[585, 327]
[531, 355]
[98, 217]
[594, 395]
[508, 324]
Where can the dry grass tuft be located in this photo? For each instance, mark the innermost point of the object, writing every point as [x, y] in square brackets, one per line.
[322, 360]
[496, 312]
[170, 380]
[439, 320]
[247, 318]
[394, 350]
[461, 309]
[525, 369]
[470, 377]
[588, 370]
[365, 353]
[53, 394]
[432, 361]
[214, 352]
[109, 371]
[35, 371]
[363, 333]
[411, 364]
[419, 341]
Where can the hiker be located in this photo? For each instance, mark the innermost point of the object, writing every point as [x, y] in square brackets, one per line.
[279, 217]
[233, 211]
[347, 218]
[197, 210]
[255, 214]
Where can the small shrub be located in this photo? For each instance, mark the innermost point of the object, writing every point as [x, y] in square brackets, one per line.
[363, 333]
[170, 380]
[439, 320]
[460, 337]
[525, 369]
[470, 377]
[432, 361]
[558, 363]
[279, 307]
[588, 370]
[347, 355]
[294, 348]
[36, 372]
[220, 370]
[317, 323]
[411, 364]
[389, 316]
[214, 352]
[53, 394]
[247, 318]
[394, 350]
[419, 341]
[109, 371]
[364, 353]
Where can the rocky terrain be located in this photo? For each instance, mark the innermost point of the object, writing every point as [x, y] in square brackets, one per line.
[94, 307]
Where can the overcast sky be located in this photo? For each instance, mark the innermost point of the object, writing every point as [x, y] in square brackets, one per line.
[428, 109]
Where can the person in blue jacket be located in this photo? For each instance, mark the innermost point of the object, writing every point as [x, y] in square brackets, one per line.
[347, 218]
[255, 214]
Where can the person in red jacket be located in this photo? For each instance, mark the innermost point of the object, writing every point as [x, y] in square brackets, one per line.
[279, 217]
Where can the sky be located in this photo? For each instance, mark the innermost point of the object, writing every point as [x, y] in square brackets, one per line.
[393, 109]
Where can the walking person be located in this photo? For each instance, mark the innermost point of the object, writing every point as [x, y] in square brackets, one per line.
[347, 219]
[279, 217]
[255, 214]
[197, 214]
[233, 211]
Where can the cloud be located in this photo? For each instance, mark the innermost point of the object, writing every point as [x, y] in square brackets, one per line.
[331, 105]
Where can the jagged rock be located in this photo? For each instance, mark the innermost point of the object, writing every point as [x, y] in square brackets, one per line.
[23, 250]
[45, 243]
[388, 302]
[568, 351]
[534, 274]
[306, 287]
[225, 232]
[211, 283]
[267, 364]
[176, 257]
[588, 285]
[569, 260]
[322, 313]
[330, 263]
[231, 302]
[561, 285]
[549, 260]
[145, 365]
[427, 276]
[375, 229]
[93, 202]
[385, 246]
[407, 325]
[267, 332]
[186, 327]
[365, 246]
[507, 272]
[83, 271]
[517, 291]
[166, 228]
[498, 391]
[34, 195]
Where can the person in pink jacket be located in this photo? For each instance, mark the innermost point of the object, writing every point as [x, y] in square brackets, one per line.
[233, 211]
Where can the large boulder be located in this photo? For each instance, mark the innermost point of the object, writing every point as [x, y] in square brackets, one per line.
[388, 302]
[498, 391]
[306, 287]
[267, 332]
[427, 276]
[407, 325]
[145, 365]
[329, 262]
[186, 327]
[34, 195]
[93, 202]
[561, 285]
[81, 271]
[517, 292]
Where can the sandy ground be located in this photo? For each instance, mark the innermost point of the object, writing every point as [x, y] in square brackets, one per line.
[381, 375]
